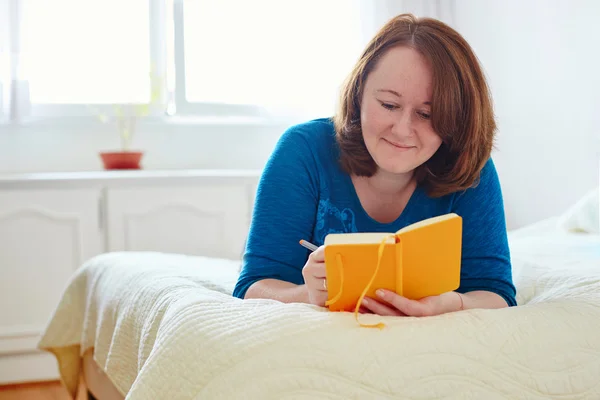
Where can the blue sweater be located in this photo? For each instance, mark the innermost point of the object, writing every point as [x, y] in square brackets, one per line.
[304, 194]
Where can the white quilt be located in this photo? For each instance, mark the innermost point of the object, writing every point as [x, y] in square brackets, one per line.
[164, 327]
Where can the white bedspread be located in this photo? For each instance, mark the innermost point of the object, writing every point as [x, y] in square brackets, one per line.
[164, 327]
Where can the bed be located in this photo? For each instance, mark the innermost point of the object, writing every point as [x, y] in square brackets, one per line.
[164, 326]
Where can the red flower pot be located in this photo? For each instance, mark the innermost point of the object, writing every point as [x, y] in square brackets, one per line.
[121, 159]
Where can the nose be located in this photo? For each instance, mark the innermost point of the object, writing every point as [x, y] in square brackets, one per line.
[403, 124]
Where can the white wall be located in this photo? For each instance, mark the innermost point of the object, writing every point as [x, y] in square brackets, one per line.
[75, 147]
[542, 59]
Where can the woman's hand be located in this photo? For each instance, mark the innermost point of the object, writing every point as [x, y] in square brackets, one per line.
[314, 277]
[390, 303]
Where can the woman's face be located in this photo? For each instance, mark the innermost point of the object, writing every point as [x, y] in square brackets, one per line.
[396, 109]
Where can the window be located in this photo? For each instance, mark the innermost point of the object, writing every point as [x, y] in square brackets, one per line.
[78, 51]
[216, 58]
[280, 55]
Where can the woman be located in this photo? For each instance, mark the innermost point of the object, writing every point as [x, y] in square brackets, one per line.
[412, 139]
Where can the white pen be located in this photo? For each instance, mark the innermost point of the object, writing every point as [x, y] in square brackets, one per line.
[308, 245]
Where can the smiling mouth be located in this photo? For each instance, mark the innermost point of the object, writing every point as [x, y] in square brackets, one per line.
[399, 146]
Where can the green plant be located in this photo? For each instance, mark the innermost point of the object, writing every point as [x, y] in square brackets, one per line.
[126, 116]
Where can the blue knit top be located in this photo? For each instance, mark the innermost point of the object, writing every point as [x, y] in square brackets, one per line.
[304, 194]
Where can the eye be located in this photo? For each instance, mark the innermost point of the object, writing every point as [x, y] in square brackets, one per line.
[424, 115]
[388, 106]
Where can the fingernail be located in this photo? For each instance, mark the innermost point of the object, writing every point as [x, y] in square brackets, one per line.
[380, 293]
[365, 301]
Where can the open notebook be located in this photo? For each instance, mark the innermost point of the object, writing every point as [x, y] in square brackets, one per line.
[420, 260]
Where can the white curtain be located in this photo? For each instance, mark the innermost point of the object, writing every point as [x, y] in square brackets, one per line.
[375, 13]
[4, 52]
[14, 92]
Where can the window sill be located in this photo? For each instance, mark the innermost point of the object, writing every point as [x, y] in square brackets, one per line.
[152, 122]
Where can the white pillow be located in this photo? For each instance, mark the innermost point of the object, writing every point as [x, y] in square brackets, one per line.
[583, 216]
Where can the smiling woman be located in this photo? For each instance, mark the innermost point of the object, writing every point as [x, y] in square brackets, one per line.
[418, 84]
[389, 116]
[411, 140]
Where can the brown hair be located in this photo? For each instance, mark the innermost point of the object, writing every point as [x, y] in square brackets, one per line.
[461, 106]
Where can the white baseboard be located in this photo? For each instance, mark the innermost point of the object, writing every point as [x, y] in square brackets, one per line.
[29, 367]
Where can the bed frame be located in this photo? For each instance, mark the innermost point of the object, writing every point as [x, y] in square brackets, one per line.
[97, 383]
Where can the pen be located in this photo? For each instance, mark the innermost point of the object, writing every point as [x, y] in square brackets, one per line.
[308, 245]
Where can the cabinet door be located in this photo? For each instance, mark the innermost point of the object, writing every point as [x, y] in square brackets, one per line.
[45, 235]
[205, 220]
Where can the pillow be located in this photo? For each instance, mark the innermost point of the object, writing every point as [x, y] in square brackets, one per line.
[583, 216]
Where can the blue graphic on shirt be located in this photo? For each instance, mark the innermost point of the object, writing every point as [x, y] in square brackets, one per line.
[331, 219]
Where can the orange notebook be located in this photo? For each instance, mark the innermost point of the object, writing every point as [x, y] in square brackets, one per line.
[420, 260]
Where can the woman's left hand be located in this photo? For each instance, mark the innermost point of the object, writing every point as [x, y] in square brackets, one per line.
[390, 303]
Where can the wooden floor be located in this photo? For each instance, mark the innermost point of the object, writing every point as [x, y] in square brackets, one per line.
[38, 391]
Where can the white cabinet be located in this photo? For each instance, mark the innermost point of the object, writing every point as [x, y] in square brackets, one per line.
[50, 224]
[45, 235]
[209, 220]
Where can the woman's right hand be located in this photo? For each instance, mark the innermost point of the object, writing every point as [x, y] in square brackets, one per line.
[315, 277]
